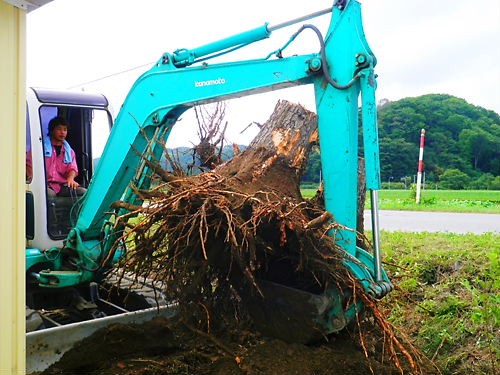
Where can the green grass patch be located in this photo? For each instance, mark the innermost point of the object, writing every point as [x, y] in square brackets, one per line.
[447, 297]
[479, 195]
[480, 201]
[308, 192]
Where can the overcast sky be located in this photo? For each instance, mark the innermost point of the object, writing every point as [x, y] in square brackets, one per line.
[445, 46]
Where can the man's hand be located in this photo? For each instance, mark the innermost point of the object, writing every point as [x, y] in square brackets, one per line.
[72, 184]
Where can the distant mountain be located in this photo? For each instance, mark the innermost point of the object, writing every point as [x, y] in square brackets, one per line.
[185, 156]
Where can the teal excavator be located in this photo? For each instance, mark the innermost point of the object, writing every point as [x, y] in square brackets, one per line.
[68, 241]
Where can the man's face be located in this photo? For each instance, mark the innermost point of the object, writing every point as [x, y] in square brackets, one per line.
[60, 132]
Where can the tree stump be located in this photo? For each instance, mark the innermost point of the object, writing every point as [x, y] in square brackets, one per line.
[226, 240]
[214, 235]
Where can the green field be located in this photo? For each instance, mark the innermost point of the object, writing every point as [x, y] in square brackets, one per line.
[480, 201]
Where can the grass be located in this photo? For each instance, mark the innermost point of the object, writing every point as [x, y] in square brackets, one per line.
[447, 297]
[479, 201]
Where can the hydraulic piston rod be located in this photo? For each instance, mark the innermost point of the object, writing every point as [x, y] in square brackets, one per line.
[377, 256]
[372, 158]
[299, 19]
[184, 57]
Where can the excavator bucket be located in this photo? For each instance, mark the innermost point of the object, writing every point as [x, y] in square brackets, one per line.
[293, 315]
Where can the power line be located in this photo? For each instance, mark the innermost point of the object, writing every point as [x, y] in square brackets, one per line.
[111, 75]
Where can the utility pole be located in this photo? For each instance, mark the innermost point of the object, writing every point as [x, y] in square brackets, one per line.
[420, 165]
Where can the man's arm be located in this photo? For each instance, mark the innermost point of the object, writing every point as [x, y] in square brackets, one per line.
[72, 173]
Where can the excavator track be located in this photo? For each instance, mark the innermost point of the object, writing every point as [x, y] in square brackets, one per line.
[114, 295]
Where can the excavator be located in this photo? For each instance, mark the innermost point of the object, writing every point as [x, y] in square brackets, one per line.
[69, 238]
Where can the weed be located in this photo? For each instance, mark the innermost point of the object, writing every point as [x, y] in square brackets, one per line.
[448, 297]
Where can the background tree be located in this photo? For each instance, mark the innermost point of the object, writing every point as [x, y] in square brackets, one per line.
[454, 179]
[211, 131]
[478, 145]
[495, 184]
[312, 173]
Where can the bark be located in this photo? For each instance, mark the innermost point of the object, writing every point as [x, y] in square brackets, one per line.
[277, 157]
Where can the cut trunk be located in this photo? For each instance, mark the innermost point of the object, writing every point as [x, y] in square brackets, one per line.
[277, 157]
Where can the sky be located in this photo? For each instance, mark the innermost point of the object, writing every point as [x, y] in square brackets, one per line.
[446, 47]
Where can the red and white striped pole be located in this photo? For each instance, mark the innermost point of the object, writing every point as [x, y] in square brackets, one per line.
[420, 165]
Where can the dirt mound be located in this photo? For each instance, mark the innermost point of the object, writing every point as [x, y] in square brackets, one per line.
[162, 347]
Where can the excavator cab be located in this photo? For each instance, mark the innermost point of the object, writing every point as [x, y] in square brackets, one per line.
[50, 219]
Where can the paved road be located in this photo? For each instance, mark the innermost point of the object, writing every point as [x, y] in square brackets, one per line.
[417, 221]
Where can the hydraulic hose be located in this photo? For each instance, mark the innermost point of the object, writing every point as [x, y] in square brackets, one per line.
[324, 64]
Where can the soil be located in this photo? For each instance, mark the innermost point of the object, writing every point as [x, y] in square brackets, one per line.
[171, 347]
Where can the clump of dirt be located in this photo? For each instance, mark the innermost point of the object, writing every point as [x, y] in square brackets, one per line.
[172, 347]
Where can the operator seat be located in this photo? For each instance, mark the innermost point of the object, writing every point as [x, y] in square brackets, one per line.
[61, 213]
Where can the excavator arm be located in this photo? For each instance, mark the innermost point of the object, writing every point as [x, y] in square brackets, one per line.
[339, 72]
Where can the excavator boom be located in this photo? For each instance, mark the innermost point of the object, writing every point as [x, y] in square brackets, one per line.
[339, 72]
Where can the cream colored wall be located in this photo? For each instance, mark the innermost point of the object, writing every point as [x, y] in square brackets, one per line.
[12, 201]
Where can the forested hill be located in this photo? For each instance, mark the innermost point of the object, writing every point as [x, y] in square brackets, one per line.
[459, 136]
